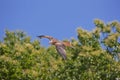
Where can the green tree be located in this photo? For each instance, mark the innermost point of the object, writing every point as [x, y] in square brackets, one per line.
[95, 56]
[110, 37]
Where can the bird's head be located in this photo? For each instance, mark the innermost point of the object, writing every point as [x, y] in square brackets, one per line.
[52, 42]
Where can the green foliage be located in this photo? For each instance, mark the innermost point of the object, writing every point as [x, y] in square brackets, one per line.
[95, 56]
[110, 34]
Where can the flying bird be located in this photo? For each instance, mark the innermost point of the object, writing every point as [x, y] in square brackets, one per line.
[60, 46]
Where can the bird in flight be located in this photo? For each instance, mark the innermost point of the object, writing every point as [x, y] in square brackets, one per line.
[60, 46]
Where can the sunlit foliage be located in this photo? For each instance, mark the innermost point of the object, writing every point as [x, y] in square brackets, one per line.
[95, 56]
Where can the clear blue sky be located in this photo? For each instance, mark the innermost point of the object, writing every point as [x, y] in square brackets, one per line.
[58, 18]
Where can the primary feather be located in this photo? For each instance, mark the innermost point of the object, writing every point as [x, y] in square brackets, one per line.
[61, 50]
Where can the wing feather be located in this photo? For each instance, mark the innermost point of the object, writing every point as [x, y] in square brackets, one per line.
[61, 50]
[43, 36]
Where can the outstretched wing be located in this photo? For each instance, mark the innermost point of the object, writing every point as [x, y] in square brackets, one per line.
[61, 50]
[48, 37]
[60, 47]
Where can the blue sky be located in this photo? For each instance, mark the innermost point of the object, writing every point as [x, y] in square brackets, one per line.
[58, 18]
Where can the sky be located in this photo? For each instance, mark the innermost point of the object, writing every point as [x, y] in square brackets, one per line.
[57, 18]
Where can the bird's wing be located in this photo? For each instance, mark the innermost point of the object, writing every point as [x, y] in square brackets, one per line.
[61, 50]
[44, 36]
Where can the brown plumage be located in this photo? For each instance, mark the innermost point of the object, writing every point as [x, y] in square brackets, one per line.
[60, 46]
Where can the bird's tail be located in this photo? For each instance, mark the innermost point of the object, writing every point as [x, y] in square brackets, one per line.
[68, 44]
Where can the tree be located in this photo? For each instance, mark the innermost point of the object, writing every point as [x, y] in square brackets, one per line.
[110, 37]
[95, 56]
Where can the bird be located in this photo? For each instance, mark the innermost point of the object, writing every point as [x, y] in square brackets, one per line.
[60, 45]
